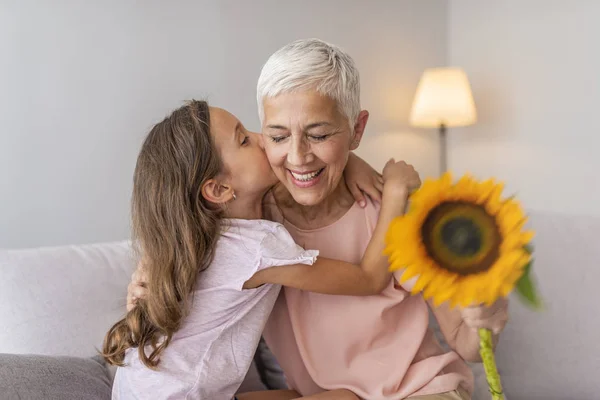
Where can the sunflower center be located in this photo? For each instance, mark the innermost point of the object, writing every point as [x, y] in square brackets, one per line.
[461, 237]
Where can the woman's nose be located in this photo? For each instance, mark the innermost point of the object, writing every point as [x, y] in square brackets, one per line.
[298, 153]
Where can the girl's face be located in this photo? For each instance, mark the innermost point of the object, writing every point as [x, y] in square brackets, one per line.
[242, 152]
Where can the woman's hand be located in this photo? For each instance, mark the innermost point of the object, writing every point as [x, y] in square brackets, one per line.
[460, 325]
[400, 175]
[137, 287]
[361, 177]
[493, 318]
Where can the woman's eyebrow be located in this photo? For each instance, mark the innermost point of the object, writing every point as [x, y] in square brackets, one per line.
[308, 127]
[317, 125]
[278, 127]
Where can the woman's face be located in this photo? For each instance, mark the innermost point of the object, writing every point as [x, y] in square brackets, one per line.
[307, 141]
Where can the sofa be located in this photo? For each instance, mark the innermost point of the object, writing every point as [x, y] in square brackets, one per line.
[56, 304]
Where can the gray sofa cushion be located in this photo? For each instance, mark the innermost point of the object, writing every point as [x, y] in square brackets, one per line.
[36, 377]
[270, 372]
[265, 373]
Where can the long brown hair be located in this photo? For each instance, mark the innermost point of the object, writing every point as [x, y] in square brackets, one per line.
[174, 228]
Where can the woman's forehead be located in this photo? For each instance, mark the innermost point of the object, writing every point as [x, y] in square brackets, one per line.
[307, 107]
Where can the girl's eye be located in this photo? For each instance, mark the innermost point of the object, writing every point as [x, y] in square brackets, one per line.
[245, 141]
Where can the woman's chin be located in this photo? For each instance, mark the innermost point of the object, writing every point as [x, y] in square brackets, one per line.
[305, 196]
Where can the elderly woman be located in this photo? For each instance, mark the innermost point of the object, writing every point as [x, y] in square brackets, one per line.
[378, 347]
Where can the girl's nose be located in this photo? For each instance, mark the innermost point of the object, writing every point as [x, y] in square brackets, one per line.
[259, 139]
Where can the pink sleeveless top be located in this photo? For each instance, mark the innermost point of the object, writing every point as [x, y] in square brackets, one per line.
[379, 347]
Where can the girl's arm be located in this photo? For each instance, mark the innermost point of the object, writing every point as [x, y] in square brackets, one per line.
[325, 276]
[338, 277]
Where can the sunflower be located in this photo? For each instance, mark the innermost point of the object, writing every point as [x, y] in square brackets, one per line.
[461, 242]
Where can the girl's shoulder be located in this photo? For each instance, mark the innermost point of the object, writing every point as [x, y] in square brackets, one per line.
[247, 246]
[237, 254]
[246, 240]
[261, 240]
[254, 229]
[252, 236]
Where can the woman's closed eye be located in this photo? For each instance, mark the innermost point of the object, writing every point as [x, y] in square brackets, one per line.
[315, 137]
[278, 139]
[246, 140]
[319, 138]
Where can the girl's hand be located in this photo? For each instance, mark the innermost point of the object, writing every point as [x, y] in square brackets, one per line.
[137, 287]
[400, 175]
[361, 177]
[493, 318]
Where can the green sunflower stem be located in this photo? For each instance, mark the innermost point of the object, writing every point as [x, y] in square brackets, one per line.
[486, 350]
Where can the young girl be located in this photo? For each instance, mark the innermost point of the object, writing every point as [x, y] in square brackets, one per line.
[213, 266]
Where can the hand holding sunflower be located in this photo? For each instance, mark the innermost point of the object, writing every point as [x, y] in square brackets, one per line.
[493, 317]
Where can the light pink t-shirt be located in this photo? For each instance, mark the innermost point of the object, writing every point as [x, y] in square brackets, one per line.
[210, 355]
[379, 347]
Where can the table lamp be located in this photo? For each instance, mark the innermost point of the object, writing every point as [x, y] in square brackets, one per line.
[443, 99]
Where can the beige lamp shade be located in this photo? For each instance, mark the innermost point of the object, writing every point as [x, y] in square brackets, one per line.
[443, 97]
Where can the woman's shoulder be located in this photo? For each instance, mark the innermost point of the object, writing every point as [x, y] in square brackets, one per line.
[372, 209]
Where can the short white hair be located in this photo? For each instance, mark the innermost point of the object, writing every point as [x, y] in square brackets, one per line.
[312, 64]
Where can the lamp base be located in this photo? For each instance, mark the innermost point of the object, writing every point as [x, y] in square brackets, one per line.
[443, 150]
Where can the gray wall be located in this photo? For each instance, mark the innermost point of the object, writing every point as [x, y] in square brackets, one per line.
[81, 82]
[534, 69]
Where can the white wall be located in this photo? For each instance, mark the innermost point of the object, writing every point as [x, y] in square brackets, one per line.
[533, 66]
[81, 82]
[534, 69]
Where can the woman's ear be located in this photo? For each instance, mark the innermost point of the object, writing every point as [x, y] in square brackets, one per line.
[359, 129]
[217, 192]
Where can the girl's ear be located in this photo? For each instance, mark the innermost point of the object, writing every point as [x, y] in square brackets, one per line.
[217, 192]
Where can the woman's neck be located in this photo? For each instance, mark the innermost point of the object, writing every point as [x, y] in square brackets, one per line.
[331, 209]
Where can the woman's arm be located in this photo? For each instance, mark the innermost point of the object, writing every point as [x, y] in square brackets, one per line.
[338, 277]
[459, 326]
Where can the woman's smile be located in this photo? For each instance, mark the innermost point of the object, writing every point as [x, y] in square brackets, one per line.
[306, 179]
